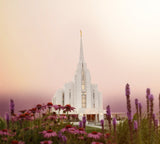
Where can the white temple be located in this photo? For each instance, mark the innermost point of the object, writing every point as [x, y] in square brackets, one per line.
[81, 94]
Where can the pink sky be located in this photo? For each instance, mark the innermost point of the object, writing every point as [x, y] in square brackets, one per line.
[39, 48]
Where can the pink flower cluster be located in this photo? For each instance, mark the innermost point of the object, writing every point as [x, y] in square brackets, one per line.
[49, 133]
[95, 135]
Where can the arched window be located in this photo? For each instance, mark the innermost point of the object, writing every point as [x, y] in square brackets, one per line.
[83, 100]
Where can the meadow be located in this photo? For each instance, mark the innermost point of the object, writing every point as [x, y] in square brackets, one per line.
[44, 124]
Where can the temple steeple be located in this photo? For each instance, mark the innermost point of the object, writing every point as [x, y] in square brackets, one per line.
[81, 93]
[81, 58]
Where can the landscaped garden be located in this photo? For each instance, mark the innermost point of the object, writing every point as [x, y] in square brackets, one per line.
[45, 124]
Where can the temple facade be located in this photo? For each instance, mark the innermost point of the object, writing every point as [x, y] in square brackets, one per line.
[81, 93]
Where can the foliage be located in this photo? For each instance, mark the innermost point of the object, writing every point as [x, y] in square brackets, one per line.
[2, 123]
[42, 125]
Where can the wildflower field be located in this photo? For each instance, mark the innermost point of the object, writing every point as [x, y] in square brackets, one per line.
[44, 124]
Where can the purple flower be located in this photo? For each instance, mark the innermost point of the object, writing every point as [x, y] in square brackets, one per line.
[58, 107]
[102, 122]
[153, 116]
[4, 132]
[73, 130]
[6, 116]
[150, 97]
[59, 134]
[95, 135]
[127, 90]
[49, 133]
[108, 111]
[114, 121]
[81, 131]
[64, 139]
[84, 121]
[147, 97]
[136, 101]
[12, 107]
[80, 124]
[148, 92]
[7, 119]
[156, 123]
[140, 110]
[68, 108]
[129, 116]
[114, 124]
[140, 106]
[135, 125]
[62, 117]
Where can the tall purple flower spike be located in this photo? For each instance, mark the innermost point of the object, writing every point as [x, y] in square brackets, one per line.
[80, 124]
[6, 116]
[136, 101]
[59, 134]
[140, 110]
[153, 116]
[114, 124]
[114, 121]
[64, 139]
[140, 105]
[135, 125]
[148, 92]
[102, 123]
[150, 97]
[108, 111]
[12, 106]
[84, 121]
[129, 116]
[127, 90]
[156, 123]
[108, 114]
[7, 119]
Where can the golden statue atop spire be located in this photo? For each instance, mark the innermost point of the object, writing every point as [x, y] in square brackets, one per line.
[80, 33]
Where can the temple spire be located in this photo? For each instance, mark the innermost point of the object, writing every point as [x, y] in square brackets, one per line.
[81, 58]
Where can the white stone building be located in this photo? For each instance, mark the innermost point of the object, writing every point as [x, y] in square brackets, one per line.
[81, 94]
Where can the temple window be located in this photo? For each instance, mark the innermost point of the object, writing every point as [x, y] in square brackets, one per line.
[83, 87]
[83, 100]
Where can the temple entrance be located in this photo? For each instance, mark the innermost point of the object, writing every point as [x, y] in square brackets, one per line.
[91, 117]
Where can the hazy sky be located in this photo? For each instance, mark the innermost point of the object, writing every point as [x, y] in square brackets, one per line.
[40, 42]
